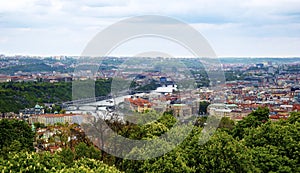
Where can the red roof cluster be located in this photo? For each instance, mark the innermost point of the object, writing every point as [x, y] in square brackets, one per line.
[277, 117]
[245, 105]
[139, 102]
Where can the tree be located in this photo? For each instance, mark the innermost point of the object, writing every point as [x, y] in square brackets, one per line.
[222, 153]
[90, 165]
[261, 114]
[275, 141]
[67, 156]
[94, 153]
[47, 162]
[167, 119]
[226, 123]
[200, 122]
[254, 119]
[203, 107]
[30, 162]
[39, 125]
[81, 151]
[62, 111]
[294, 117]
[268, 159]
[15, 136]
[175, 161]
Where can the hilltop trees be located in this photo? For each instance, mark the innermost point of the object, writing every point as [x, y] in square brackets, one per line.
[19, 95]
[16, 96]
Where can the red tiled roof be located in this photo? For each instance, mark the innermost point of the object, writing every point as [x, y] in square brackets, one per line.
[296, 107]
[138, 102]
[278, 117]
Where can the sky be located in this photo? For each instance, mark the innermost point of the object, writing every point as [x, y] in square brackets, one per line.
[234, 28]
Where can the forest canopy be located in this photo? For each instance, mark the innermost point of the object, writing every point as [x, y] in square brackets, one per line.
[254, 144]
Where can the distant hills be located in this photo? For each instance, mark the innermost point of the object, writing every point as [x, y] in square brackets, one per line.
[39, 67]
[258, 60]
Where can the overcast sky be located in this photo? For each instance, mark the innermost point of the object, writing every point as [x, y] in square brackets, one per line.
[256, 28]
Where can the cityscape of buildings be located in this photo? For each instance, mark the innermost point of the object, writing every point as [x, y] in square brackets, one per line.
[261, 82]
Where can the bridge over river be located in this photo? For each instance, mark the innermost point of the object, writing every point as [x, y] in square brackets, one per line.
[102, 103]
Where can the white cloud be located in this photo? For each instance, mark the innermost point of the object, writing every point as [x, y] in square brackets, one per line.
[59, 26]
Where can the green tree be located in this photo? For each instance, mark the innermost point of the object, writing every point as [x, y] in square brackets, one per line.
[294, 117]
[175, 161]
[47, 162]
[30, 162]
[226, 123]
[15, 136]
[94, 153]
[67, 156]
[62, 111]
[81, 151]
[222, 153]
[268, 159]
[151, 130]
[167, 119]
[39, 125]
[90, 165]
[261, 114]
[200, 121]
[254, 119]
[280, 141]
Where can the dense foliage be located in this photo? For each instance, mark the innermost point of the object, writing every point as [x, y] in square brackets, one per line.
[15, 96]
[254, 144]
[15, 136]
[47, 162]
[264, 146]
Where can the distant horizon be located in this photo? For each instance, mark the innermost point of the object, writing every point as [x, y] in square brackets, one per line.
[127, 56]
